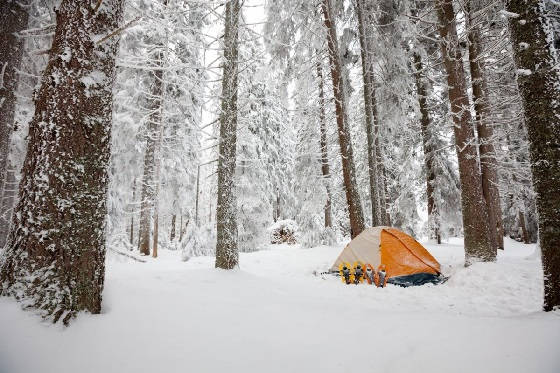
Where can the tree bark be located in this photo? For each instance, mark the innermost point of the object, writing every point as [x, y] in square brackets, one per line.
[357, 224]
[488, 163]
[538, 81]
[227, 252]
[325, 169]
[478, 245]
[363, 10]
[55, 257]
[421, 92]
[14, 18]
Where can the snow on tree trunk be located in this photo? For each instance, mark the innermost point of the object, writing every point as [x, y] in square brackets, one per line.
[539, 84]
[324, 150]
[433, 218]
[55, 256]
[357, 224]
[478, 245]
[227, 254]
[488, 163]
[361, 11]
[13, 19]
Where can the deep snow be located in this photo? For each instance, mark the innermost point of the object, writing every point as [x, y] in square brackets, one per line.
[274, 315]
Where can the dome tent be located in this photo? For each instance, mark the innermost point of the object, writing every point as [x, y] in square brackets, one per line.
[406, 261]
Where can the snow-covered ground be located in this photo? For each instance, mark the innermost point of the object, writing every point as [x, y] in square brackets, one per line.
[274, 315]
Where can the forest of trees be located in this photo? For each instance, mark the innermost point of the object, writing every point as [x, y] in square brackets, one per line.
[138, 125]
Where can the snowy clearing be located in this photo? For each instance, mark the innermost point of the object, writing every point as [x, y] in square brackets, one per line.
[274, 315]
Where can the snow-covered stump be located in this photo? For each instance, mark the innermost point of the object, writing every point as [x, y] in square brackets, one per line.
[54, 258]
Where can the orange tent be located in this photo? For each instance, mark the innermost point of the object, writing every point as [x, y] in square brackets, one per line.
[406, 261]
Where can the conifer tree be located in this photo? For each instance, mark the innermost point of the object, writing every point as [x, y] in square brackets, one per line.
[227, 255]
[478, 245]
[539, 81]
[55, 256]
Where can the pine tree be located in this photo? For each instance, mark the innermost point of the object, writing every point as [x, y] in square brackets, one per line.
[357, 224]
[478, 245]
[227, 256]
[55, 257]
[427, 145]
[539, 82]
[363, 9]
[325, 169]
[488, 163]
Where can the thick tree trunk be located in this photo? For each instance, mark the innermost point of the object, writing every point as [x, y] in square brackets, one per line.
[538, 81]
[363, 10]
[55, 256]
[421, 92]
[227, 253]
[7, 204]
[13, 19]
[488, 163]
[325, 169]
[349, 174]
[478, 245]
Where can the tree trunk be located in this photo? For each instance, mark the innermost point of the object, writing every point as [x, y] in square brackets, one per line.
[421, 92]
[324, 149]
[523, 226]
[132, 212]
[148, 180]
[7, 204]
[227, 253]
[173, 221]
[55, 256]
[181, 228]
[13, 19]
[197, 195]
[349, 174]
[478, 245]
[155, 237]
[381, 180]
[157, 157]
[538, 81]
[488, 163]
[363, 11]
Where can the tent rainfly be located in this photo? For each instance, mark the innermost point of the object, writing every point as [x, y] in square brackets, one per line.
[406, 261]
